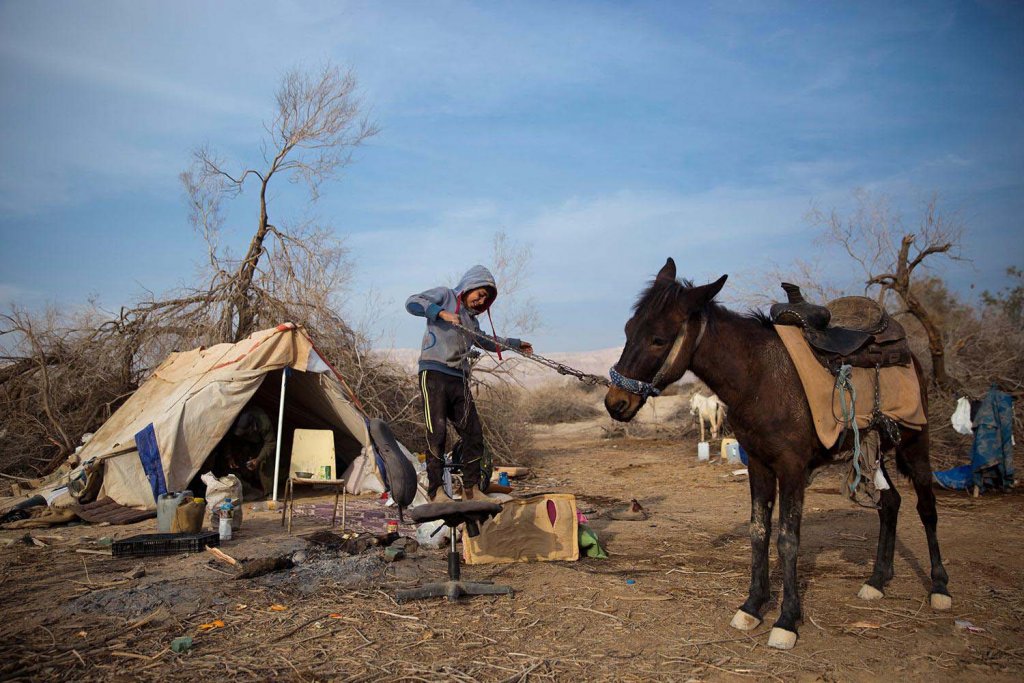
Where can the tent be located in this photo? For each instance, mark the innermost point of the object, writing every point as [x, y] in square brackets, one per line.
[162, 436]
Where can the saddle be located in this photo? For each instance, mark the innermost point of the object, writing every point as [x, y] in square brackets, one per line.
[850, 330]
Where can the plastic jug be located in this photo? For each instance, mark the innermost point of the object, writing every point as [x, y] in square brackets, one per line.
[167, 506]
[732, 452]
[703, 451]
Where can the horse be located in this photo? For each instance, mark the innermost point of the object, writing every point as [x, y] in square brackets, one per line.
[676, 327]
[708, 409]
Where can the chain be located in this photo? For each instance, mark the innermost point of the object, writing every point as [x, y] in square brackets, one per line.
[560, 368]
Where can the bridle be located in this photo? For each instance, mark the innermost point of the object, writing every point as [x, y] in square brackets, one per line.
[647, 389]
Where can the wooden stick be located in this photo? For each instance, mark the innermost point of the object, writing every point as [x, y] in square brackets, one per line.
[222, 556]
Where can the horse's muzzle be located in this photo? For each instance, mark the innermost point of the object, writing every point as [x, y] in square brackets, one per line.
[621, 404]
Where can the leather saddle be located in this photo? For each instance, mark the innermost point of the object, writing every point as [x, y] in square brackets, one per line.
[850, 330]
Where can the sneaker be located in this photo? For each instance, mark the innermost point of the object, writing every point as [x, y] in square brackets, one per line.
[476, 494]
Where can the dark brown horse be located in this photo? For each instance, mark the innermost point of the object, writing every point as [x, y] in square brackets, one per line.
[678, 327]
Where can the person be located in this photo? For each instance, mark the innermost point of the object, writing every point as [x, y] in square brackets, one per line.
[257, 439]
[444, 368]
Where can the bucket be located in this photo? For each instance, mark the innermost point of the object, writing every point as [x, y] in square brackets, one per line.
[703, 451]
[166, 506]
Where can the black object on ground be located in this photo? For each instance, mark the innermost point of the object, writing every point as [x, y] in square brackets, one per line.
[21, 510]
[164, 544]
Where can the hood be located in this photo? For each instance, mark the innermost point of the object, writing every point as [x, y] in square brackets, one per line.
[475, 277]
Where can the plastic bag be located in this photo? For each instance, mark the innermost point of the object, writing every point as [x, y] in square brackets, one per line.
[961, 417]
[217, 490]
[425, 535]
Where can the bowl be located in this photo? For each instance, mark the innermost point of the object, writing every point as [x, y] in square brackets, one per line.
[304, 475]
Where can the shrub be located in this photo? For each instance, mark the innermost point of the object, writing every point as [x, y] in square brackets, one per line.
[559, 403]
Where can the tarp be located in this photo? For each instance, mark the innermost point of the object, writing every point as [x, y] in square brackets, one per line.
[193, 398]
[991, 465]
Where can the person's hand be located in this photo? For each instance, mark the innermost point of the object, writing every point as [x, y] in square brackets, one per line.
[252, 464]
[448, 317]
[526, 347]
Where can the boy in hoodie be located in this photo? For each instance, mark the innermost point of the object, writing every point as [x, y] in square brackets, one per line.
[444, 372]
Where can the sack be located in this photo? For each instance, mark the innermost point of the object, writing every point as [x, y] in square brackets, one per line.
[426, 537]
[542, 528]
[217, 491]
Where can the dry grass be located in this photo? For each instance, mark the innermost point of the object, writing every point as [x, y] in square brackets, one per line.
[560, 403]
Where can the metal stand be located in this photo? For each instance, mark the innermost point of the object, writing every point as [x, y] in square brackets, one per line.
[454, 587]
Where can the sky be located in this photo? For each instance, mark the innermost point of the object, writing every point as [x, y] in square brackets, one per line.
[603, 137]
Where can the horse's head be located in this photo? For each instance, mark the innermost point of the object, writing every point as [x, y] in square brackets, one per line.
[667, 325]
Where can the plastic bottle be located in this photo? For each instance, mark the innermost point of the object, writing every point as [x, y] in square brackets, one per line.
[503, 479]
[224, 526]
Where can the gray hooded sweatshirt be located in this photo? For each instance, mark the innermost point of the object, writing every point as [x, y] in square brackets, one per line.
[445, 347]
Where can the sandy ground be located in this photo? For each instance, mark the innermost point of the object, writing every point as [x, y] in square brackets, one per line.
[658, 609]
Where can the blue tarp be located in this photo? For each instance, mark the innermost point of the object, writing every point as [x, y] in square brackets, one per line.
[959, 478]
[149, 454]
[992, 451]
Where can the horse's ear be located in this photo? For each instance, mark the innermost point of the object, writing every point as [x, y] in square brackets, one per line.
[668, 271]
[706, 293]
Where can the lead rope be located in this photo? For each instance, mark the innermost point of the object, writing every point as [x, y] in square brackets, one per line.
[560, 368]
[844, 385]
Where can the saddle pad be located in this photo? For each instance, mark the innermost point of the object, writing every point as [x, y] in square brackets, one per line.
[899, 391]
[541, 528]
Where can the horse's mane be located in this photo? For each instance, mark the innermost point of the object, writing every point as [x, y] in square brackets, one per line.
[661, 293]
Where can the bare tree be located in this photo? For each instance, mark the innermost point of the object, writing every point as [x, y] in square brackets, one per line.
[890, 253]
[317, 124]
[510, 264]
[62, 375]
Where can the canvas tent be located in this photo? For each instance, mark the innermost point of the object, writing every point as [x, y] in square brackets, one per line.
[181, 413]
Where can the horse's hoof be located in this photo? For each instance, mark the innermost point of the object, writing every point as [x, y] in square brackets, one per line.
[870, 593]
[781, 639]
[941, 602]
[741, 621]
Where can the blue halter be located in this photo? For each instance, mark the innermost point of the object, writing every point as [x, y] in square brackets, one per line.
[633, 386]
[647, 389]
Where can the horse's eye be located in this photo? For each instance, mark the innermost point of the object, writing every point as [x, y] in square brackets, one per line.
[658, 341]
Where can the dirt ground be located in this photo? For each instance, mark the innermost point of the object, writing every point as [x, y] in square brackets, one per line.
[658, 609]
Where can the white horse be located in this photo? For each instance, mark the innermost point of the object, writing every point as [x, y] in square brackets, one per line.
[708, 409]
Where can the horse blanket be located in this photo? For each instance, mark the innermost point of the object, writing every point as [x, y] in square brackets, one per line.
[899, 390]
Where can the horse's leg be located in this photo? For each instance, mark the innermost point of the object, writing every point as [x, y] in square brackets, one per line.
[888, 512]
[791, 506]
[762, 500]
[912, 459]
[700, 418]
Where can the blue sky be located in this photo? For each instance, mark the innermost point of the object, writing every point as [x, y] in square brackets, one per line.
[604, 136]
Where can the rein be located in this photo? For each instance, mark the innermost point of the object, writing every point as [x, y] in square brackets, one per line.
[648, 389]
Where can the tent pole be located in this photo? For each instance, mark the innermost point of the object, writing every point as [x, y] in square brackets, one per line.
[280, 431]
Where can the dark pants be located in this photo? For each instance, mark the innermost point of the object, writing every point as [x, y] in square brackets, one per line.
[447, 398]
